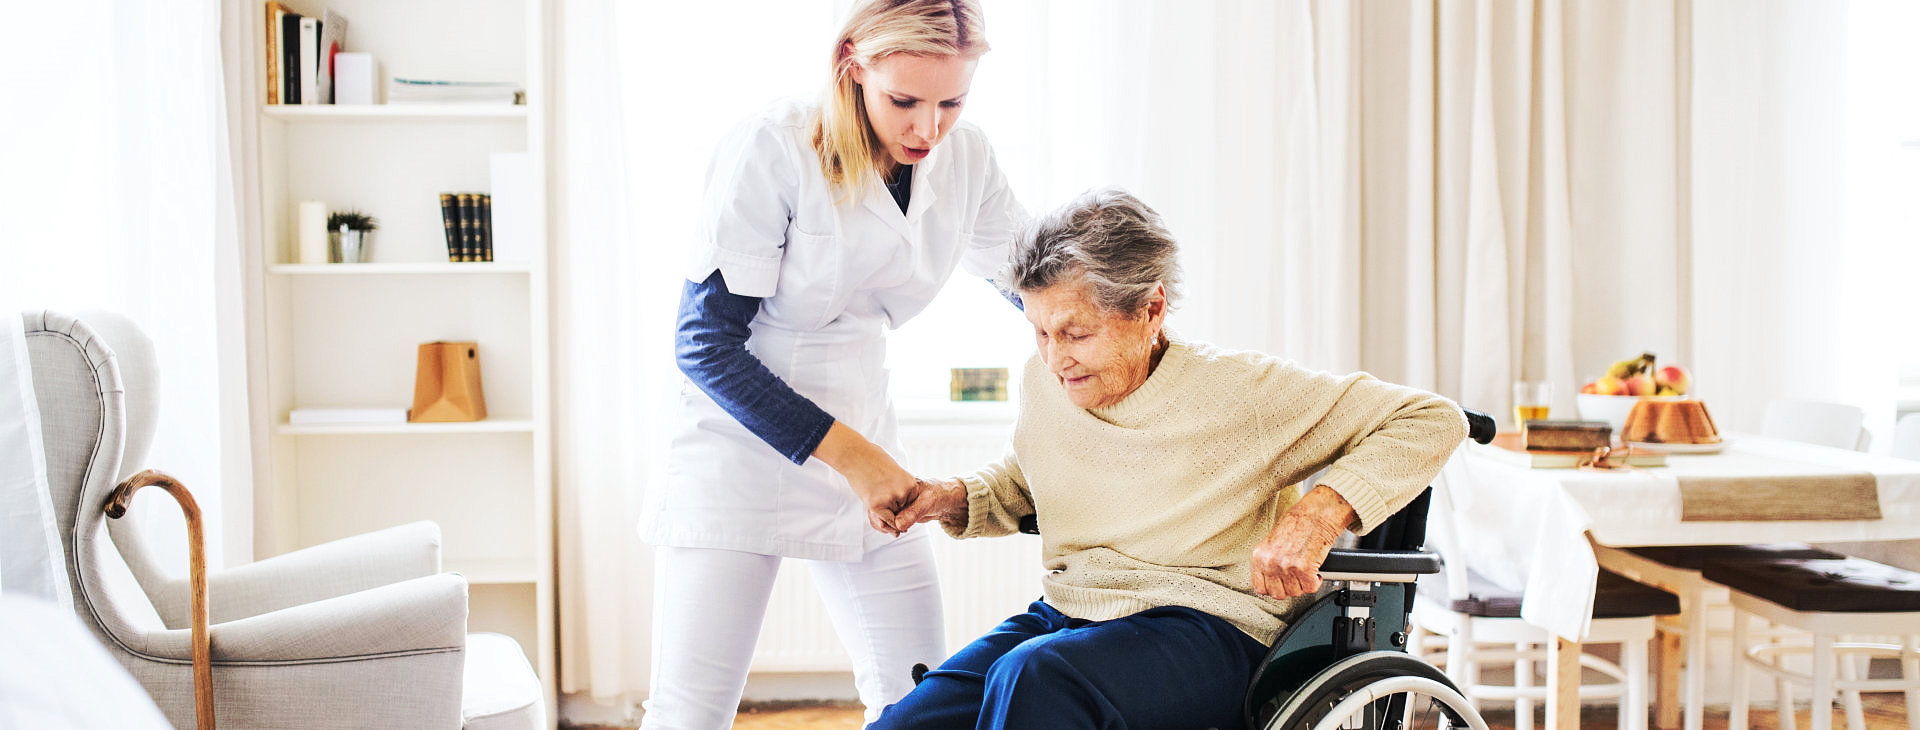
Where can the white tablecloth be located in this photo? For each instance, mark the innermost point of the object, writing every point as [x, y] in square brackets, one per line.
[1526, 529]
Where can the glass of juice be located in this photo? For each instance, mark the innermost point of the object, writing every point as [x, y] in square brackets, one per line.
[1530, 402]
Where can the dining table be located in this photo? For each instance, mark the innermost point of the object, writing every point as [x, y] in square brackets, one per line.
[1538, 530]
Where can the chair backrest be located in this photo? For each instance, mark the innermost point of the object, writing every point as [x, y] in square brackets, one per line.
[134, 354]
[1825, 424]
[1906, 437]
[76, 381]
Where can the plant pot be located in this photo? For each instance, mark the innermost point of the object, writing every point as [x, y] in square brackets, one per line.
[349, 246]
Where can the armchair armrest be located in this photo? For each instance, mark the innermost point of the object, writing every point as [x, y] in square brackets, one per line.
[419, 615]
[327, 570]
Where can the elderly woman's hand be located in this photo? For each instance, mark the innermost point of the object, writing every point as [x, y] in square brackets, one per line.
[944, 500]
[1287, 563]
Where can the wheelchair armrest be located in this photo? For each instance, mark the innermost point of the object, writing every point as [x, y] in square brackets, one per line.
[1379, 566]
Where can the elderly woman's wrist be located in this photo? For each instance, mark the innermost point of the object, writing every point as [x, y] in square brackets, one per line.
[954, 502]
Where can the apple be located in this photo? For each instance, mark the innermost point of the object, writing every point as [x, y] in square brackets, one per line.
[1641, 384]
[1675, 377]
[1609, 385]
[1591, 388]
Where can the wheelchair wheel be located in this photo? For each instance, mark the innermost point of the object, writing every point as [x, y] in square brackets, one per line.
[1379, 690]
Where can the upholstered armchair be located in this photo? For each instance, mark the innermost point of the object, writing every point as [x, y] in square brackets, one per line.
[365, 632]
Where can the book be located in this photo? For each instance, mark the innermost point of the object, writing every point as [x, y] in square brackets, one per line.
[309, 416]
[403, 91]
[275, 12]
[309, 60]
[450, 217]
[466, 226]
[1507, 447]
[333, 34]
[290, 58]
[511, 180]
[486, 228]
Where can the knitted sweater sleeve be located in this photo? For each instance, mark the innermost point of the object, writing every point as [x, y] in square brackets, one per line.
[997, 497]
[1381, 443]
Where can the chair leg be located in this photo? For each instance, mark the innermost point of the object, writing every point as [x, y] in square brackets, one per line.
[1666, 679]
[1416, 640]
[1633, 706]
[1461, 667]
[1822, 700]
[1522, 677]
[1696, 677]
[1737, 671]
[1910, 671]
[1850, 698]
[1783, 690]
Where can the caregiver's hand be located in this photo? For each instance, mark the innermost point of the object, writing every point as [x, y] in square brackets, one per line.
[944, 500]
[1287, 563]
[876, 478]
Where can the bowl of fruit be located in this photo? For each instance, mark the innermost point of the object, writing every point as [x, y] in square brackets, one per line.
[1611, 397]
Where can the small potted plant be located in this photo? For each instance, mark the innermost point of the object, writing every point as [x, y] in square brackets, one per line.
[349, 234]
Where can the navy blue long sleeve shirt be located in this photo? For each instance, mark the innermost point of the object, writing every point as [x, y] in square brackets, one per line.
[710, 344]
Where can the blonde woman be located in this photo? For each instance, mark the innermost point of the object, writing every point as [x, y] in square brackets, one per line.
[823, 226]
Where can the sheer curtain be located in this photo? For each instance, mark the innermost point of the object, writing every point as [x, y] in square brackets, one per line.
[116, 192]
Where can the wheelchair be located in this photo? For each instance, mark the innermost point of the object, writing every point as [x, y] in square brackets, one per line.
[1343, 663]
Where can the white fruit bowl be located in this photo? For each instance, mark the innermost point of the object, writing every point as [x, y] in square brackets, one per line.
[1613, 408]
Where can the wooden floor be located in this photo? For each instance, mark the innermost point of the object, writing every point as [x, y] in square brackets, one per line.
[1885, 711]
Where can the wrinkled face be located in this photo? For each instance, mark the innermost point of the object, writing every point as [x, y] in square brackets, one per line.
[1100, 357]
[913, 100]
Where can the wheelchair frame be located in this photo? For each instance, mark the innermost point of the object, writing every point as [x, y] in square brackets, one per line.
[1345, 658]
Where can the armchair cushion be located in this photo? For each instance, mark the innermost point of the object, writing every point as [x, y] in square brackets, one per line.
[344, 566]
[419, 615]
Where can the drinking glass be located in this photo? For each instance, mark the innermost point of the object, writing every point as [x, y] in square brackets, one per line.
[1530, 399]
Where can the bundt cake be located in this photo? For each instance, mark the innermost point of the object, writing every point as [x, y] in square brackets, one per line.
[1670, 422]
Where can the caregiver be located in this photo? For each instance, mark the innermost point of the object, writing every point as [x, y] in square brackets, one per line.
[822, 227]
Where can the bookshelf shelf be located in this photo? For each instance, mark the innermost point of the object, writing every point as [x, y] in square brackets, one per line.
[490, 425]
[394, 112]
[432, 269]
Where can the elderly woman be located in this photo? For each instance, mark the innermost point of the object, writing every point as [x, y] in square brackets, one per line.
[1161, 471]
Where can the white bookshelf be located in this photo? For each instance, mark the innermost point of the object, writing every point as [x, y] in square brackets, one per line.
[334, 335]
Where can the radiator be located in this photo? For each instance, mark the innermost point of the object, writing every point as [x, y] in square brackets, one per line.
[982, 581]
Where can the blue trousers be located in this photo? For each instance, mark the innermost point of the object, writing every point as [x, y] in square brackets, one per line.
[1171, 667]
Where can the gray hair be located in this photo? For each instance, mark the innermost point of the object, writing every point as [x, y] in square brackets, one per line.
[1107, 237]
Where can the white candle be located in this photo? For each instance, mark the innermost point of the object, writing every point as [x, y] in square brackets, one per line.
[312, 232]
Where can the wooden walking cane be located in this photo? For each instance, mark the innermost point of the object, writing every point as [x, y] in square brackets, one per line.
[197, 580]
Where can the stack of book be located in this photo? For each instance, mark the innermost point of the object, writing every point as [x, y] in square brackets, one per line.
[300, 53]
[469, 221]
[412, 91]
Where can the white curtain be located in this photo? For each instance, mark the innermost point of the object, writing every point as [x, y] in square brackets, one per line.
[1449, 194]
[116, 193]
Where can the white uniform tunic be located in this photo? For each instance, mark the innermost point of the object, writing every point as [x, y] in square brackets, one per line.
[833, 277]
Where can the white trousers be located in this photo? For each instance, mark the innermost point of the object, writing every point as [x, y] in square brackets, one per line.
[708, 606]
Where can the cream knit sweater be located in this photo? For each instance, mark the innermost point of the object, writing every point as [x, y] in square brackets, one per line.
[1159, 500]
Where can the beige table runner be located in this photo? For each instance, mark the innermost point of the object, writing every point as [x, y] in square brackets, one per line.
[1789, 490]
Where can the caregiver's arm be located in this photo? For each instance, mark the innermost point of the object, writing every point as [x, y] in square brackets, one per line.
[711, 348]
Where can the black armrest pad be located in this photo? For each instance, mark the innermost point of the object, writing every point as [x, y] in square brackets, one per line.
[1381, 561]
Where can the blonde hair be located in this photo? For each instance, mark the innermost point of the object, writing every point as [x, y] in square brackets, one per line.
[842, 133]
